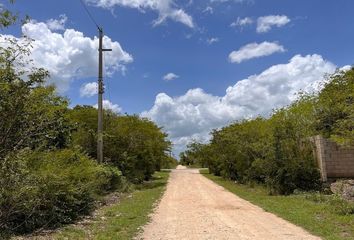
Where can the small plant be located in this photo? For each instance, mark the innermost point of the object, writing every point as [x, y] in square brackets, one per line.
[316, 197]
[341, 206]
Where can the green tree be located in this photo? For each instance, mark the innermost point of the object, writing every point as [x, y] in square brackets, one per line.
[274, 151]
[335, 108]
[7, 18]
[44, 180]
[292, 164]
[84, 120]
[41, 183]
[135, 145]
[31, 115]
[238, 145]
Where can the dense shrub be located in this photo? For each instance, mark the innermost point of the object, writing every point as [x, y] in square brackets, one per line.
[136, 146]
[168, 163]
[274, 151]
[292, 162]
[335, 108]
[258, 171]
[195, 155]
[31, 115]
[84, 120]
[46, 189]
[133, 144]
[292, 176]
[44, 180]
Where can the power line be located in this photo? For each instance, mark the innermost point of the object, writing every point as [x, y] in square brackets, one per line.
[88, 13]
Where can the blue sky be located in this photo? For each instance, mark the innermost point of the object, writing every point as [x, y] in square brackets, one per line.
[279, 47]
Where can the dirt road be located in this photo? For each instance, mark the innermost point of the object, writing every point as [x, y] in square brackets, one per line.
[193, 207]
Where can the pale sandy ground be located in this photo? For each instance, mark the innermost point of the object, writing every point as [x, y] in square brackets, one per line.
[193, 207]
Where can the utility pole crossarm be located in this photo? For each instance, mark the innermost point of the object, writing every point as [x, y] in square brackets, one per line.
[100, 97]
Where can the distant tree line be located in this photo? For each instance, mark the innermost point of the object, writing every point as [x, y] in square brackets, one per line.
[48, 172]
[276, 151]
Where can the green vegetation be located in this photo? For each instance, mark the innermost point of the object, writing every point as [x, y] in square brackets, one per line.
[135, 145]
[327, 216]
[121, 220]
[48, 172]
[277, 151]
[7, 18]
[335, 108]
[169, 163]
[48, 188]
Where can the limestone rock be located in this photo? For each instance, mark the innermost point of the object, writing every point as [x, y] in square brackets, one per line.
[344, 188]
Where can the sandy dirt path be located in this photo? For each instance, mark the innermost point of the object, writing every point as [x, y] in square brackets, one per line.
[194, 207]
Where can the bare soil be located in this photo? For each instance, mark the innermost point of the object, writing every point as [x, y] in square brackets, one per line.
[194, 207]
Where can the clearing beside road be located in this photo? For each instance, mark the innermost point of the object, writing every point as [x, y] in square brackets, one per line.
[194, 207]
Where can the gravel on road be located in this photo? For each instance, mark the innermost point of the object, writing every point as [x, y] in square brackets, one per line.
[194, 207]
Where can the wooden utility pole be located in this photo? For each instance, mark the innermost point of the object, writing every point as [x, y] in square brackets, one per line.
[100, 97]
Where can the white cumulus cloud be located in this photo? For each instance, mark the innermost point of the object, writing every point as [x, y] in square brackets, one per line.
[170, 76]
[57, 24]
[255, 50]
[89, 89]
[265, 23]
[165, 8]
[71, 55]
[110, 106]
[194, 114]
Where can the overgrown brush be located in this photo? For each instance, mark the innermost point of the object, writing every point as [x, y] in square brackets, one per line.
[276, 151]
[47, 189]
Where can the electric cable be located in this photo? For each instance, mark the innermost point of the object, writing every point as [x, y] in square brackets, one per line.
[88, 13]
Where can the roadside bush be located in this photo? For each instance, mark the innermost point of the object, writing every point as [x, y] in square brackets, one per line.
[114, 179]
[44, 180]
[137, 146]
[168, 163]
[46, 189]
[334, 108]
[292, 160]
[273, 151]
[300, 176]
[258, 171]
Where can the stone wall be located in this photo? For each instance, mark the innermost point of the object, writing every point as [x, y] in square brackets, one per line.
[333, 160]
